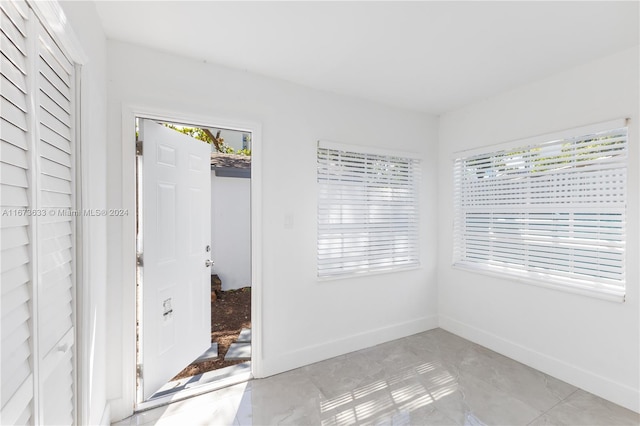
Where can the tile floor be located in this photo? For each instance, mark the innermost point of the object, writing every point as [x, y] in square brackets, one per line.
[431, 378]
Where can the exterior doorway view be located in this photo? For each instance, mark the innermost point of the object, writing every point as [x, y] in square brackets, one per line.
[193, 243]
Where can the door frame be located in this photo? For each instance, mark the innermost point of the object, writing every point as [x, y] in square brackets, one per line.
[129, 114]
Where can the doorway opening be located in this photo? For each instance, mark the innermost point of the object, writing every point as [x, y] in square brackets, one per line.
[182, 209]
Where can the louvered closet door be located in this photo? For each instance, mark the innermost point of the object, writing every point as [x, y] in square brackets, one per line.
[16, 367]
[55, 232]
[37, 259]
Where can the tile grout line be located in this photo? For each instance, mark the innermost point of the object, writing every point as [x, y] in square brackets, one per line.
[554, 406]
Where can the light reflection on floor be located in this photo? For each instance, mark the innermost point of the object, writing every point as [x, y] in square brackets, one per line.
[432, 378]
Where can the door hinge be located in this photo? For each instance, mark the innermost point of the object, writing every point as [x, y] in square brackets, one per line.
[139, 259]
[139, 371]
[138, 148]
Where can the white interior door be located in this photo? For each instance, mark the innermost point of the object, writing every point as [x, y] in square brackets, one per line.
[176, 309]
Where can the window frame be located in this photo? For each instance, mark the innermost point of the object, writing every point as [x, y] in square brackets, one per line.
[411, 216]
[526, 274]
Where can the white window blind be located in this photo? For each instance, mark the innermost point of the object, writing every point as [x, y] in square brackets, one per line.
[550, 211]
[367, 210]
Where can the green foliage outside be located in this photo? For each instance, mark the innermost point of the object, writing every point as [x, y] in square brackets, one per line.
[206, 136]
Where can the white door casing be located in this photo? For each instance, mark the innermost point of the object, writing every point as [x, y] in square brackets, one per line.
[176, 210]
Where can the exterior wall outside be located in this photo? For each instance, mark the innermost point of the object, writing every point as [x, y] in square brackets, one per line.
[231, 230]
[292, 118]
[88, 29]
[591, 343]
[232, 138]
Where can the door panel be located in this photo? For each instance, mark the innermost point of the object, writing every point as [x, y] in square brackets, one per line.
[37, 156]
[176, 310]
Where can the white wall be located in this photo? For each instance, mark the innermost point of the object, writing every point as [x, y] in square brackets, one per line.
[591, 343]
[88, 29]
[231, 230]
[292, 119]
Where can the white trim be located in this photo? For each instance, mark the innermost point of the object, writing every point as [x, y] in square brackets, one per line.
[544, 138]
[338, 146]
[550, 282]
[129, 113]
[128, 278]
[256, 251]
[608, 389]
[364, 274]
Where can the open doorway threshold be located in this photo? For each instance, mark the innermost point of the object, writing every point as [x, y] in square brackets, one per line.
[188, 387]
[227, 362]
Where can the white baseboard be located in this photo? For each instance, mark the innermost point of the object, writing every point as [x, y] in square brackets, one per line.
[610, 390]
[326, 350]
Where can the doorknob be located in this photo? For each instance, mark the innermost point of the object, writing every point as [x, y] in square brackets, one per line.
[208, 263]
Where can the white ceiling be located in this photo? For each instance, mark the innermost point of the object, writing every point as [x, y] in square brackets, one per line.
[427, 56]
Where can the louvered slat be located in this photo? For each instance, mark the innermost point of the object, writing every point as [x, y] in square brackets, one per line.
[13, 114]
[57, 315]
[60, 384]
[54, 259]
[13, 144]
[59, 81]
[54, 154]
[14, 237]
[13, 94]
[54, 109]
[54, 123]
[13, 196]
[13, 175]
[49, 90]
[56, 244]
[554, 210]
[50, 168]
[13, 53]
[55, 140]
[15, 277]
[56, 185]
[13, 74]
[17, 14]
[15, 370]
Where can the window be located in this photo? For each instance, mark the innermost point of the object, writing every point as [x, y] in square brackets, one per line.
[551, 209]
[367, 210]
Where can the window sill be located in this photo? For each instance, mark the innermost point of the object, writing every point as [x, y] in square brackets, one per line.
[369, 273]
[506, 274]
